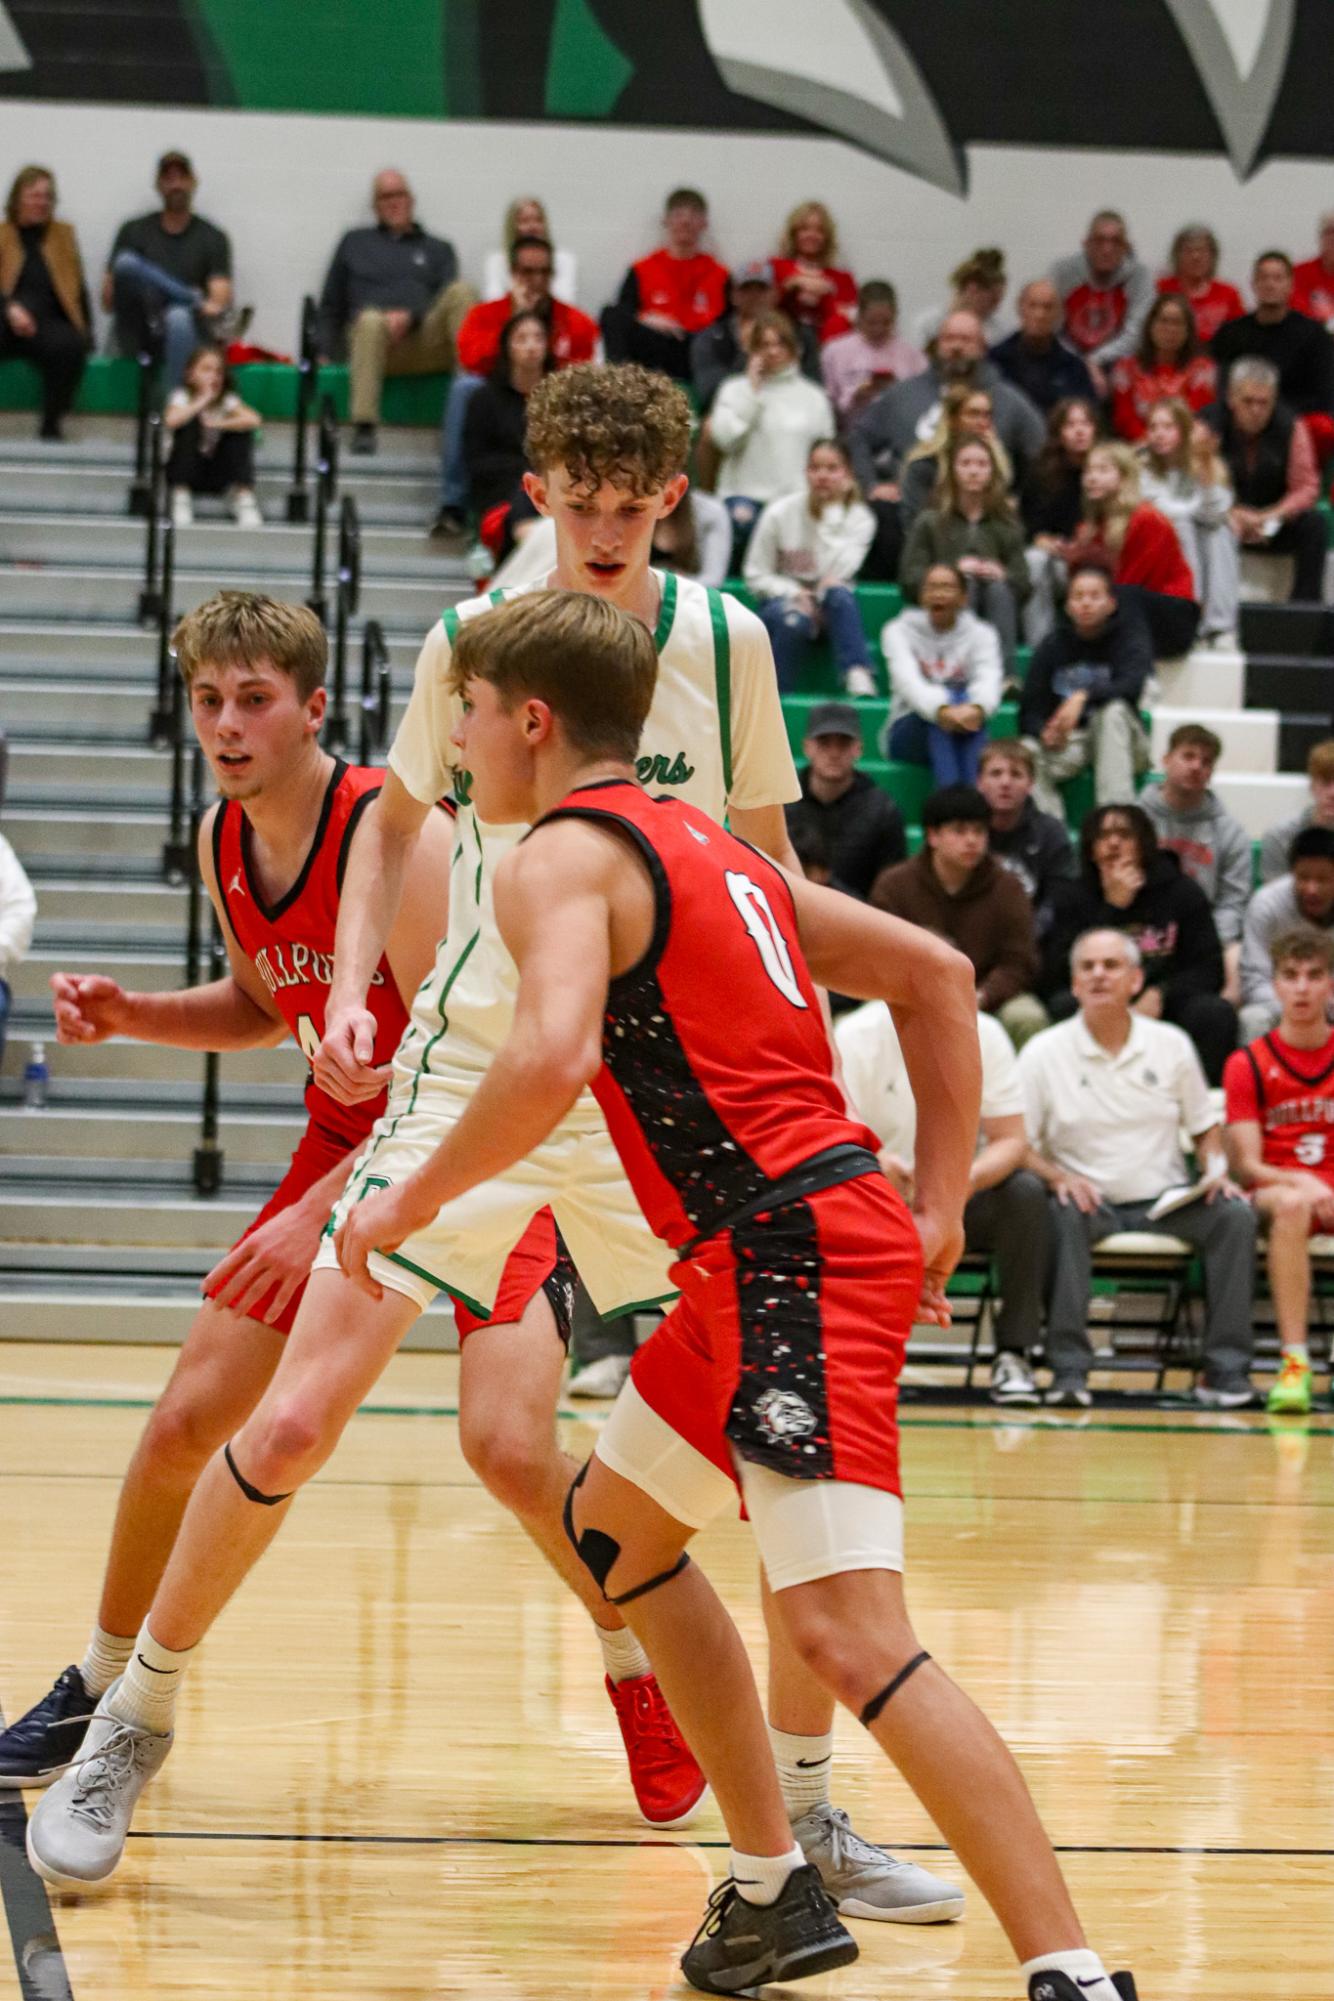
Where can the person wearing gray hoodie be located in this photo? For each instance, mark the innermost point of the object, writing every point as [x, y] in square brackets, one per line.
[1107, 293]
[906, 413]
[1213, 848]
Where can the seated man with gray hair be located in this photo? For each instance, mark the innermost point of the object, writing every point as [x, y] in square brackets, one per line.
[1271, 463]
[1106, 1097]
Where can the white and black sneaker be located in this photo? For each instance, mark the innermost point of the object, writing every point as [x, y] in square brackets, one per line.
[1225, 1393]
[741, 1945]
[1069, 1393]
[1060, 1987]
[1012, 1381]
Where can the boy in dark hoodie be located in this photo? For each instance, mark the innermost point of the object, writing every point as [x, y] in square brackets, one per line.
[1032, 845]
[1127, 883]
[1080, 703]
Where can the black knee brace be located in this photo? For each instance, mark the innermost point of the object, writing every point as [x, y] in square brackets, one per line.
[251, 1493]
[891, 1688]
[598, 1551]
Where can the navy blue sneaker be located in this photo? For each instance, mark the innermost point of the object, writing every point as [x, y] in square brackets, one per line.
[1060, 1987]
[33, 1750]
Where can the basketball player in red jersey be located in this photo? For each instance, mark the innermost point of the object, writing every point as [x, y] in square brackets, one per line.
[1279, 1091]
[272, 854]
[671, 966]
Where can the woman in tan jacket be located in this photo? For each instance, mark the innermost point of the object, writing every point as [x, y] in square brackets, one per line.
[44, 312]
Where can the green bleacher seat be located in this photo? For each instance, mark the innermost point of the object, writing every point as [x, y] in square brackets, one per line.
[110, 387]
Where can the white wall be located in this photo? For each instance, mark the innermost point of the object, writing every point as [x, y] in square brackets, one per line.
[286, 186]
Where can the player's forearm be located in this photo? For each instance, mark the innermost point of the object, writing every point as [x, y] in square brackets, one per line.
[218, 1016]
[372, 891]
[525, 1094]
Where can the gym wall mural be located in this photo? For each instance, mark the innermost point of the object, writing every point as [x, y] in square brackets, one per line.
[913, 82]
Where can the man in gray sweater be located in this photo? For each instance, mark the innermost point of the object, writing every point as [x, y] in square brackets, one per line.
[907, 412]
[1107, 294]
[1214, 849]
[1318, 813]
[1304, 896]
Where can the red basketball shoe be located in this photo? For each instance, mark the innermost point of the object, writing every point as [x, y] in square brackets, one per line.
[668, 1784]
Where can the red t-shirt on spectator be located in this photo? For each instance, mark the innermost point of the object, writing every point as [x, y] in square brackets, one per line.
[573, 336]
[1313, 291]
[1212, 307]
[690, 290]
[1135, 390]
[836, 310]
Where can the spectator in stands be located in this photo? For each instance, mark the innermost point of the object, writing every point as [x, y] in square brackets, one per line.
[1182, 474]
[1313, 280]
[972, 527]
[1271, 463]
[527, 216]
[169, 278]
[393, 297]
[1107, 1095]
[571, 337]
[858, 823]
[1299, 348]
[1169, 361]
[1318, 812]
[668, 296]
[1212, 847]
[1194, 277]
[977, 286]
[1105, 292]
[805, 550]
[44, 311]
[1034, 846]
[1081, 695]
[953, 886]
[964, 413]
[1280, 1141]
[695, 539]
[1304, 896]
[1051, 501]
[494, 440]
[813, 290]
[1036, 359]
[720, 350]
[764, 424]
[944, 677]
[18, 914]
[1005, 1215]
[1126, 883]
[1140, 547]
[858, 366]
[212, 441]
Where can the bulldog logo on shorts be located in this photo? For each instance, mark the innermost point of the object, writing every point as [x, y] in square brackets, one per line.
[783, 1414]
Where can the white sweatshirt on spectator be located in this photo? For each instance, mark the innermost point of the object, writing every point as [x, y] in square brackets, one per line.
[923, 663]
[790, 549]
[18, 910]
[765, 435]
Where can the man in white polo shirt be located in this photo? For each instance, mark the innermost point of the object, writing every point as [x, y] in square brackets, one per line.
[1106, 1095]
[1006, 1211]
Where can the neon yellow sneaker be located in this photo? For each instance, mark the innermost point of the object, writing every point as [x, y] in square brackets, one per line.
[1291, 1394]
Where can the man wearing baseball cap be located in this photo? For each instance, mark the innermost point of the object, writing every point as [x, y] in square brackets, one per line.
[720, 349]
[847, 814]
[169, 278]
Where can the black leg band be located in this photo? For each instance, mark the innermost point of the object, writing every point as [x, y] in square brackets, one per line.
[251, 1493]
[598, 1551]
[663, 1577]
[891, 1688]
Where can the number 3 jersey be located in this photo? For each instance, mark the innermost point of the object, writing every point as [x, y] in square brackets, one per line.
[715, 735]
[1289, 1094]
[291, 942]
[717, 1083]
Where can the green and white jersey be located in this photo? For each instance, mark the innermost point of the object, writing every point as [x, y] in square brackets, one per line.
[715, 735]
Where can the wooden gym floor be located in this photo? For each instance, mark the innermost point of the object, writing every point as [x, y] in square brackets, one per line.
[397, 1775]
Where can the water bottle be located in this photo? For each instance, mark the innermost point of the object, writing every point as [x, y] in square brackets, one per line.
[36, 1078]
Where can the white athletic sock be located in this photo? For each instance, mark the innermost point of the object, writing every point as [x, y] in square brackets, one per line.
[1083, 1967]
[147, 1693]
[803, 1769]
[622, 1654]
[1299, 1352]
[760, 1878]
[107, 1656]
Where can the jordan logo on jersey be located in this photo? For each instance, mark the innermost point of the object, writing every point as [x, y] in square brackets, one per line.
[236, 887]
[662, 770]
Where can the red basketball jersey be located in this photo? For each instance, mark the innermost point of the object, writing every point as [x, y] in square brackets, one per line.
[291, 942]
[1289, 1093]
[717, 1081]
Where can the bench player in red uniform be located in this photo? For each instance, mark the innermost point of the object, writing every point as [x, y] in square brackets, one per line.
[272, 853]
[671, 966]
[1279, 1091]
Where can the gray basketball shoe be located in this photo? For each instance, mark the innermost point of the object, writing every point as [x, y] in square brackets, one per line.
[868, 1882]
[77, 1833]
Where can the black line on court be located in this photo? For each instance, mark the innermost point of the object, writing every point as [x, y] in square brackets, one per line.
[39, 1959]
[649, 1841]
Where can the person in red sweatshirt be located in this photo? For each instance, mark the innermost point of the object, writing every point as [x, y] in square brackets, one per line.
[1194, 276]
[1169, 362]
[1313, 280]
[668, 296]
[1140, 548]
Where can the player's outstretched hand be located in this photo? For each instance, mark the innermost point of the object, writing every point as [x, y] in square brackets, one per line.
[942, 1247]
[379, 1222]
[343, 1064]
[276, 1258]
[89, 1007]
